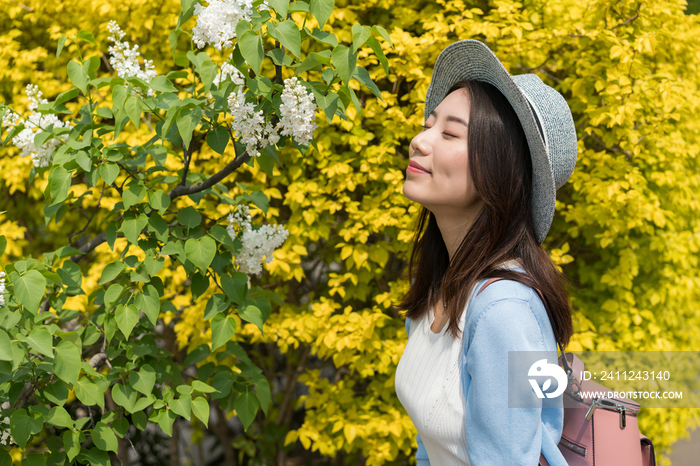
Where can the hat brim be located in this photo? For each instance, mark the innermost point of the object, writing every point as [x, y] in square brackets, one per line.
[473, 60]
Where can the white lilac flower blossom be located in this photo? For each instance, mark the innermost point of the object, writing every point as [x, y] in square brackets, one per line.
[229, 71]
[216, 23]
[297, 112]
[5, 435]
[249, 125]
[2, 288]
[258, 245]
[33, 124]
[125, 59]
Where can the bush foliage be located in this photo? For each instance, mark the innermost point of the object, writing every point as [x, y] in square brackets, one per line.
[626, 230]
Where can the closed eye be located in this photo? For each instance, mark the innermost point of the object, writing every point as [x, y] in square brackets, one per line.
[446, 134]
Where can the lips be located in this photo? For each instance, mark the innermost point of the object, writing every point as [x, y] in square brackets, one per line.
[417, 166]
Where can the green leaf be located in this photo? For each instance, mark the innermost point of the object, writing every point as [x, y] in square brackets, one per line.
[246, 405]
[201, 252]
[94, 457]
[251, 48]
[59, 417]
[111, 271]
[132, 228]
[120, 426]
[162, 84]
[322, 9]
[124, 396]
[57, 393]
[5, 346]
[200, 408]
[112, 294]
[362, 75]
[77, 75]
[159, 200]
[133, 195]
[313, 60]
[119, 96]
[377, 48]
[253, 315]
[222, 329]
[89, 393]
[71, 443]
[40, 340]
[187, 122]
[298, 6]
[201, 387]
[207, 72]
[218, 139]
[287, 33]
[84, 161]
[260, 200]
[86, 36]
[66, 362]
[133, 109]
[29, 289]
[143, 380]
[327, 38]
[165, 421]
[235, 287]
[280, 6]
[23, 426]
[382, 32]
[111, 234]
[59, 180]
[3, 244]
[109, 172]
[186, 13]
[199, 284]
[70, 274]
[61, 42]
[5, 458]
[262, 391]
[103, 437]
[182, 406]
[360, 34]
[66, 96]
[217, 303]
[189, 217]
[344, 61]
[279, 58]
[153, 265]
[127, 318]
[198, 354]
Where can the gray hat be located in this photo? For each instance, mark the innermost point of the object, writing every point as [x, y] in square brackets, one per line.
[543, 113]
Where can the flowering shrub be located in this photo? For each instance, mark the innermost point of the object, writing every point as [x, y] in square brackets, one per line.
[84, 380]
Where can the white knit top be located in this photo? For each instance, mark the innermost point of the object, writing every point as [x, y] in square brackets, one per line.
[428, 385]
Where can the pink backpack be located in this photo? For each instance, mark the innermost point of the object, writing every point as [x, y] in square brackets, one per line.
[597, 431]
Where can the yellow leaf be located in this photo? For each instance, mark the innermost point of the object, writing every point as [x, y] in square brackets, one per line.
[350, 432]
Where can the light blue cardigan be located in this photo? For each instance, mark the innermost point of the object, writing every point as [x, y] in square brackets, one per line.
[506, 316]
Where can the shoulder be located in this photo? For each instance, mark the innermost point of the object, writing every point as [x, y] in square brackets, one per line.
[510, 312]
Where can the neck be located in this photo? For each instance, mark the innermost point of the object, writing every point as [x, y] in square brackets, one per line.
[454, 228]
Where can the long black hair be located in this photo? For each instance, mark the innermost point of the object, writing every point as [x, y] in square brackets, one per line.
[501, 170]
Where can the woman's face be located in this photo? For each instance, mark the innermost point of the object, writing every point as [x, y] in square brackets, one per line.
[438, 175]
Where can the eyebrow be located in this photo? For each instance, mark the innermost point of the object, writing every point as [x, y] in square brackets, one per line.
[451, 118]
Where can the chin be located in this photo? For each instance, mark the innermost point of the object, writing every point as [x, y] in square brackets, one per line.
[410, 193]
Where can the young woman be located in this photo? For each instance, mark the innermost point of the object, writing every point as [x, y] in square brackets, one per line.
[485, 168]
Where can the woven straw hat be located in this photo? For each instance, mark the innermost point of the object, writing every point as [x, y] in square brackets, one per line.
[543, 113]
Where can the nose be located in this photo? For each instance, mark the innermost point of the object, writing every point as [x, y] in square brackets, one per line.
[420, 143]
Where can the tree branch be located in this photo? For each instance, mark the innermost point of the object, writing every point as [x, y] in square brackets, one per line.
[70, 237]
[211, 181]
[188, 158]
